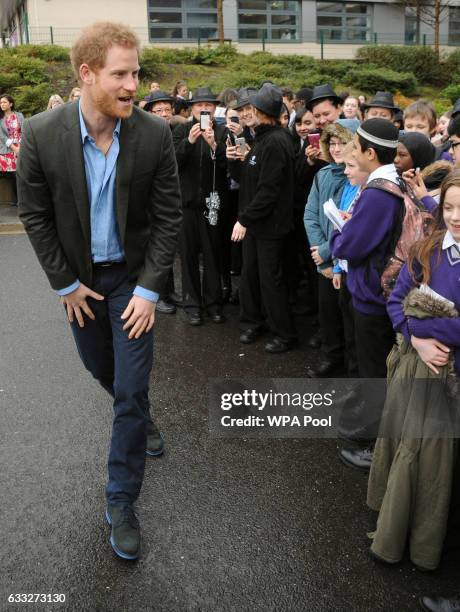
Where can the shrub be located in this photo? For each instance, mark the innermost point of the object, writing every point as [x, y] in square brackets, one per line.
[28, 70]
[374, 79]
[31, 99]
[47, 53]
[9, 80]
[452, 93]
[421, 61]
[337, 69]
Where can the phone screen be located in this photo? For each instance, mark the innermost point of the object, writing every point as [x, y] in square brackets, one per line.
[205, 118]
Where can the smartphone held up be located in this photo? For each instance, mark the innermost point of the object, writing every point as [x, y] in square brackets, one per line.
[205, 120]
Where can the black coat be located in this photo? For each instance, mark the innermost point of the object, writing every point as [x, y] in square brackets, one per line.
[267, 184]
[196, 165]
[55, 209]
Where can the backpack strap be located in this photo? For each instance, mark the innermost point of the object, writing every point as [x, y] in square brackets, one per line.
[385, 185]
[393, 189]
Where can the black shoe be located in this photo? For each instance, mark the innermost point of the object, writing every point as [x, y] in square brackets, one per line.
[165, 307]
[194, 318]
[217, 317]
[441, 604]
[250, 335]
[155, 441]
[324, 368]
[276, 345]
[359, 458]
[315, 341]
[125, 537]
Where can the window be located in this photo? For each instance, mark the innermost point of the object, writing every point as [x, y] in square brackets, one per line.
[344, 21]
[410, 26]
[182, 19]
[454, 25]
[276, 20]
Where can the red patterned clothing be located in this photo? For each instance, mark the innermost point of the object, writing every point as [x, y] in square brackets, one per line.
[8, 160]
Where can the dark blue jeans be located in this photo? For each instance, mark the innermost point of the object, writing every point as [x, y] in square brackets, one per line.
[122, 367]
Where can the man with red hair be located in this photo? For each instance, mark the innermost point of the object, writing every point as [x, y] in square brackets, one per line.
[101, 206]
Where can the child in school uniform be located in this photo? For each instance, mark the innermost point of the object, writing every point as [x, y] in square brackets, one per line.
[364, 242]
[410, 482]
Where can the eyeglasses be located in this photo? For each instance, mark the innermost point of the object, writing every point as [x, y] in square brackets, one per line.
[336, 145]
[161, 111]
[454, 144]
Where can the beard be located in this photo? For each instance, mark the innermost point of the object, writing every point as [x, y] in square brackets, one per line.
[109, 105]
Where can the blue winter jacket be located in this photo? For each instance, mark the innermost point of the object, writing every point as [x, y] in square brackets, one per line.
[329, 183]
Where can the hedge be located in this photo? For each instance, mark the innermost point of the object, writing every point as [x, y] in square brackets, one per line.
[421, 61]
[374, 79]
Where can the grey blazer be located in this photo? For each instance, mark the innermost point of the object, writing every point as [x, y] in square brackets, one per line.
[53, 197]
[4, 148]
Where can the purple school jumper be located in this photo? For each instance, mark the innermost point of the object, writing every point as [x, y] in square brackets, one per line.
[445, 280]
[364, 242]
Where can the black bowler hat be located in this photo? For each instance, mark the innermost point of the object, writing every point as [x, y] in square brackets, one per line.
[242, 98]
[456, 109]
[323, 92]
[269, 100]
[382, 99]
[157, 96]
[203, 94]
[305, 94]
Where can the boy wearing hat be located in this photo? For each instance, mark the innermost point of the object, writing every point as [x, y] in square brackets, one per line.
[380, 107]
[202, 166]
[364, 243]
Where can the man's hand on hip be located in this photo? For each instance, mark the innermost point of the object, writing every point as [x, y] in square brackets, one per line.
[76, 304]
[140, 315]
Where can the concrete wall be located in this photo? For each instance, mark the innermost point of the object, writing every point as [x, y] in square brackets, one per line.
[67, 17]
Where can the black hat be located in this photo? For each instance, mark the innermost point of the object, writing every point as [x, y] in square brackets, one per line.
[323, 92]
[420, 148]
[157, 96]
[456, 109]
[382, 99]
[203, 94]
[380, 132]
[269, 100]
[242, 98]
[305, 94]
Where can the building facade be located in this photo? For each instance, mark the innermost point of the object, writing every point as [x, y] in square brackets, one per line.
[289, 26]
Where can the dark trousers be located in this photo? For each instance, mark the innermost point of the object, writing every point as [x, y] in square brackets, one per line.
[169, 287]
[11, 177]
[346, 308]
[122, 367]
[228, 217]
[196, 237]
[374, 337]
[330, 320]
[263, 292]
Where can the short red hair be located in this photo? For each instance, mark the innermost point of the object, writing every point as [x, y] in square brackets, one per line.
[92, 45]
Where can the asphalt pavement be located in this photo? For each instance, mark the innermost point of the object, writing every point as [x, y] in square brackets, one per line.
[228, 525]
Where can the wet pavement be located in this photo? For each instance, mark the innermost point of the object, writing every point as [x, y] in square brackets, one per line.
[227, 524]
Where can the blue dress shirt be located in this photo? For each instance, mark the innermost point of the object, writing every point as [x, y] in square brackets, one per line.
[101, 173]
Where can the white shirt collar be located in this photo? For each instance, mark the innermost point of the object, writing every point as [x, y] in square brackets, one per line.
[385, 172]
[449, 241]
